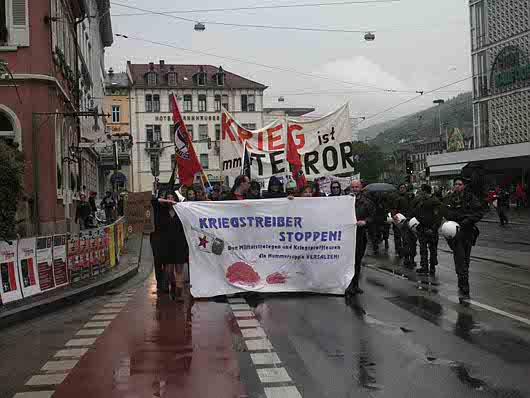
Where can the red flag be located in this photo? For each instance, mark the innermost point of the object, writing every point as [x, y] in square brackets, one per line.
[294, 159]
[188, 164]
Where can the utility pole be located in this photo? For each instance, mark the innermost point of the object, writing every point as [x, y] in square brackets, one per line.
[440, 102]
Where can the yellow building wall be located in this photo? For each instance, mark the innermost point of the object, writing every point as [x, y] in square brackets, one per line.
[122, 127]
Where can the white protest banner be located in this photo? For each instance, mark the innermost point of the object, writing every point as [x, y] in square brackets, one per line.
[27, 266]
[275, 245]
[325, 145]
[9, 278]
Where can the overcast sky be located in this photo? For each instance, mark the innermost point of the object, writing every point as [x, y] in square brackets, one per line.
[419, 45]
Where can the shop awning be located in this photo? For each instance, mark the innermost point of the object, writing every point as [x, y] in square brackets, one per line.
[447, 169]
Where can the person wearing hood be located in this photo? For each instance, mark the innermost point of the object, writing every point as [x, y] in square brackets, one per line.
[275, 189]
[254, 191]
[335, 189]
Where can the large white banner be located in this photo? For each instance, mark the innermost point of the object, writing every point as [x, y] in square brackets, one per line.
[325, 146]
[277, 245]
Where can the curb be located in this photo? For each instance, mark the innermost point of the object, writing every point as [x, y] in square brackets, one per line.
[493, 260]
[55, 303]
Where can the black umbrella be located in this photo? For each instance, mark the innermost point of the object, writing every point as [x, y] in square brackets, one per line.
[380, 187]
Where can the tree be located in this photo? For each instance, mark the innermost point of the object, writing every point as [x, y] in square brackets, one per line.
[11, 176]
[369, 160]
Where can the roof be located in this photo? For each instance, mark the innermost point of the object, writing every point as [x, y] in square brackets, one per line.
[232, 80]
[117, 80]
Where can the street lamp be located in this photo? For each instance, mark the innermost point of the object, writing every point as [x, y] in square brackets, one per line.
[369, 36]
[199, 27]
[439, 102]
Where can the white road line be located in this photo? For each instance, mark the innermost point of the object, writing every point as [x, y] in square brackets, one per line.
[109, 310]
[90, 332]
[105, 317]
[243, 314]
[80, 342]
[237, 301]
[273, 375]
[261, 344]
[282, 392]
[236, 307]
[500, 312]
[247, 323]
[250, 333]
[102, 324]
[47, 380]
[34, 394]
[60, 365]
[265, 358]
[72, 352]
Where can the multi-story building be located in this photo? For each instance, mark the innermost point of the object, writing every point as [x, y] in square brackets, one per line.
[500, 50]
[46, 76]
[117, 173]
[416, 153]
[201, 90]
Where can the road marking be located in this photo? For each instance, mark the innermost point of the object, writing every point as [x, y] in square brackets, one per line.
[265, 358]
[261, 344]
[47, 380]
[273, 375]
[101, 324]
[80, 342]
[90, 332]
[34, 394]
[105, 317]
[236, 307]
[249, 333]
[247, 323]
[109, 310]
[72, 352]
[500, 312]
[282, 392]
[243, 314]
[237, 301]
[115, 305]
[60, 365]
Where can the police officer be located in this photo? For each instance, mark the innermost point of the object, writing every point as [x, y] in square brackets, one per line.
[503, 204]
[403, 205]
[364, 209]
[428, 211]
[464, 208]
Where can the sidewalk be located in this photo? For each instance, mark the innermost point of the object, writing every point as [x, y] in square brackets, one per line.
[515, 216]
[32, 307]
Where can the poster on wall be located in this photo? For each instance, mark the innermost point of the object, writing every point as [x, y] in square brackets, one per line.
[104, 250]
[74, 270]
[9, 277]
[60, 272]
[45, 262]
[27, 266]
[94, 259]
[109, 235]
[84, 254]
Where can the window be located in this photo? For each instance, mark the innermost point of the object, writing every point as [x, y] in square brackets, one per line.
[203, 132]
[224, 101]
[172, 79]
[153, 133]
[244, 103]
[188, 107]
[14, 23]
[478, 26]
[149, 133]
[217, 132]
[204, 160]
[202, 103]
[157, 133]
[251, 103]
[217, 103]
[149, 103]
[249, 126]
[115, 113]
[7, 132]
[156, 103]
[152, 78]
[220, 79]
[189, 127]
[201, 79]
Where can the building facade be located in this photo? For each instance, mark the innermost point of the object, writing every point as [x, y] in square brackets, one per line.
[200, 90]
[40, 96]
[117, 173]
[500, 57]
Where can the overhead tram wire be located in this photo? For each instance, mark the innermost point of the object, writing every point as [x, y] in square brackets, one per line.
[277, 6]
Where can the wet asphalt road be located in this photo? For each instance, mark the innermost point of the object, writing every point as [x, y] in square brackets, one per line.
[404, 337]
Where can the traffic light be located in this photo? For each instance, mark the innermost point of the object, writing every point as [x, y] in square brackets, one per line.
[410, 167]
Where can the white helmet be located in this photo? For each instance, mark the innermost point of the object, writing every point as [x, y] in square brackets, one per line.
[399, 218]
[388, 219]
[413, 224]
[450, 229]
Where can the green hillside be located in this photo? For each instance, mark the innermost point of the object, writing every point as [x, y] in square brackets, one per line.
[456, 112]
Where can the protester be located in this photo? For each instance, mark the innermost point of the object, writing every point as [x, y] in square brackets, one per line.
[92, 202]
[364, 209]
[407, 239]
[154, 239]
[464, 208]
[306, 191]
[275, 189]
[255, 190]
[108, 205]
[191, 194]
[316, 189]
[376, 228]
[240, 189]
[428, 211]
[335, 189]
[503, 204]
[215, 194]
[173, 246]
[83, 211]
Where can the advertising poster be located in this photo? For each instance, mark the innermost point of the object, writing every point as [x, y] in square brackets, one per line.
[9, 277]
[104, 251]
[45, 262]
[84, 253]
[74, 269]
[275, 245]
[60, 272]
[109, 234]
[27, 266]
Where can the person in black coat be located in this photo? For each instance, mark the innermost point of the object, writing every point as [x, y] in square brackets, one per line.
[275, 189]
